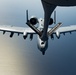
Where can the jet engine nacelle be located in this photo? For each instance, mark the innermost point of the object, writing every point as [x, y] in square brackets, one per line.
[33, 20]
[51, 21]
[58, 35]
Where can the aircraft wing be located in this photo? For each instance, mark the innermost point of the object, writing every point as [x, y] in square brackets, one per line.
[63, 30]
[14, 29]
[66, 29]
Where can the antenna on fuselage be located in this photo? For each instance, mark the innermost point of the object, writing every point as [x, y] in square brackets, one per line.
[26, 16]
[54, 17]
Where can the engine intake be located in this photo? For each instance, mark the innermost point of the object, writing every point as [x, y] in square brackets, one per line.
[33, 20]
[51, 21]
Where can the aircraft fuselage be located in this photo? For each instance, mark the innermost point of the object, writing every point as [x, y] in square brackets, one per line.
[42, 46]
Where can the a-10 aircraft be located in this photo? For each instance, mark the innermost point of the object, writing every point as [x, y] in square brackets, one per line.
[43, 31]
[34, 29]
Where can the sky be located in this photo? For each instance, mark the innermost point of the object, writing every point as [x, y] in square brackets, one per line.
[22, 57]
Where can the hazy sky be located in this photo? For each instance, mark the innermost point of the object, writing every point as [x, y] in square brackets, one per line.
[22, 57]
